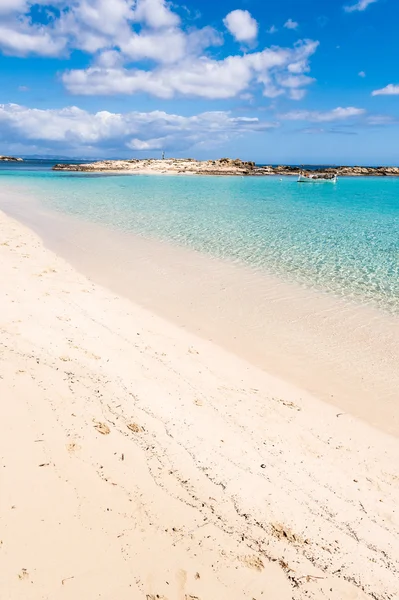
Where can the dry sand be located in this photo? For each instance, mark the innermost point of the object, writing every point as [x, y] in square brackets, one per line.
[139, 461]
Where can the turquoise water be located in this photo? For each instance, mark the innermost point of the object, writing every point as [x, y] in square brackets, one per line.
[342, 238]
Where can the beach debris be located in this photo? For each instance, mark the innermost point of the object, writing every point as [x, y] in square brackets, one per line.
[44, 465]
[198, 402]
[155, 597]
[284, 565]
[263, 466]
[197, 576]
[102, 428]
[282, 532]
[135, 428]
[72, 447]
[309, 577]
[66, 579]
[288, 404]
[23, 574]
[253, 562]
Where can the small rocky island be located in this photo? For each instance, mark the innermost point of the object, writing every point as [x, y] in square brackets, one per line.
[221, 166]
[10, 159]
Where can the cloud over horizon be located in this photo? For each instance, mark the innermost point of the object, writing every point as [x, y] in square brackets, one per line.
[336, 114]
[72, 129]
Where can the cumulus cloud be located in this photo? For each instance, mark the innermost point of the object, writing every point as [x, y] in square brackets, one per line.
[155, 13]
[362, 74]
[389, 90]
[30, 39]
[202, 77]
[290, 24]
[178, 60]
[359, 6]
[72, 128]
[337, 114]
[241, 25]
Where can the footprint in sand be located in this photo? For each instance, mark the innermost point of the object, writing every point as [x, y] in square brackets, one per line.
[102, 428]
[135, 428]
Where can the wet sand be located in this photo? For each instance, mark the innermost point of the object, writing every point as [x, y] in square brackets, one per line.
[337, 350]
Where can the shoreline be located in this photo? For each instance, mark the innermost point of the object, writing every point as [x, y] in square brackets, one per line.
[340, 351]
[139, 460]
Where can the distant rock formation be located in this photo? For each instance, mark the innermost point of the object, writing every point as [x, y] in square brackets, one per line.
[10, 159]
[221, 166]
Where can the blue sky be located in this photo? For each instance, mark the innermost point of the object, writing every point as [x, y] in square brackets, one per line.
[294, 81]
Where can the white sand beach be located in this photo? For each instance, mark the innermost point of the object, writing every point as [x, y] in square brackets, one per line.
[140, 461]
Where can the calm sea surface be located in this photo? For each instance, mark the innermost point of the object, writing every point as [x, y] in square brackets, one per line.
[342, 238]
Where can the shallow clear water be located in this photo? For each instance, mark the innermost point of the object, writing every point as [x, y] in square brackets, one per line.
[341, 238]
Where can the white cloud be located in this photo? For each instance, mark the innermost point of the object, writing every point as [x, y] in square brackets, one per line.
[362, 74]
[30, 39]
[122, 34]
[381, 120]
[295, 81]
[337, 114]
[272, 29]
[297, 94]
[241, 25]
[21, 6]
[154, 13]
[290, 24]
[389, 90]
[7, 6]
[202, 77]
[359, 6]
[71, 128]
[166, 47]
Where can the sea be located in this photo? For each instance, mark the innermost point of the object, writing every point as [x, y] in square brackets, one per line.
[342, 238]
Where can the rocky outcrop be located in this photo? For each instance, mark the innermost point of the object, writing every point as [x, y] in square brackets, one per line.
[10, 159]
[365, 171]
[221, 166]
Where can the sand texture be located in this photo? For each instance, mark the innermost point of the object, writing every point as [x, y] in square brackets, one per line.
[139, 461]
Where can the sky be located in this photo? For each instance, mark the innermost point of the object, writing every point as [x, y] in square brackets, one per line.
[287, 81]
